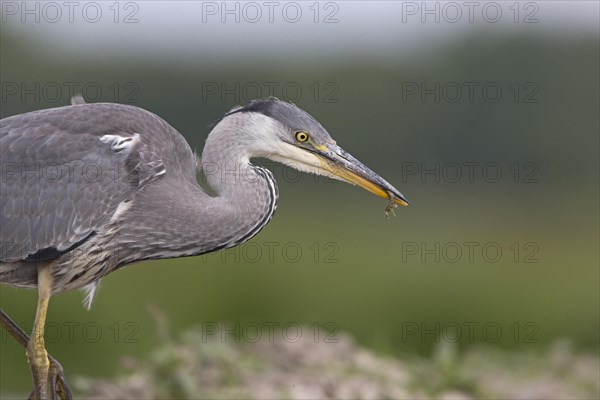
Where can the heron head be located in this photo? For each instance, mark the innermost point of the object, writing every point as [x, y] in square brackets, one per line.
[282, 132]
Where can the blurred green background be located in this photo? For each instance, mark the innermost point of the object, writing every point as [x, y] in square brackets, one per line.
[384, 282]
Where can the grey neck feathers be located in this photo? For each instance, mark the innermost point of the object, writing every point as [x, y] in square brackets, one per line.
[197, 223]
[246, 194]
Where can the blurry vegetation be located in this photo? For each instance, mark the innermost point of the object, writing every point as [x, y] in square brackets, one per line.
[193, 367]
[553, 122]
[365, 284]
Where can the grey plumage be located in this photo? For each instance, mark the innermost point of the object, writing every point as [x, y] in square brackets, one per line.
[93, 187]
[61, 185]
[89, 188]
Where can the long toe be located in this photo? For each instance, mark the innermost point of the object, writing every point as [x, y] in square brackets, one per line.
[57, 382]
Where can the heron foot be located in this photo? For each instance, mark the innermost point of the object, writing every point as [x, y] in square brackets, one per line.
[56, 381]
[40, 366]
[58, 387]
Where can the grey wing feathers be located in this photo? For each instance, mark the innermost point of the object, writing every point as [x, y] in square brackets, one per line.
[66, 170]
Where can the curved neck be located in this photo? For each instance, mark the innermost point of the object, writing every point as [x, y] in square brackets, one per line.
[246, 200]
[194, 222]
[246, 194]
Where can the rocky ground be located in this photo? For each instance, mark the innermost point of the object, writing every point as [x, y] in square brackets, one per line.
[192, 368]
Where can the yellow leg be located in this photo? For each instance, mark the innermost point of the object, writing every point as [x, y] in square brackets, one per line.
[56, 374]
[36, 350]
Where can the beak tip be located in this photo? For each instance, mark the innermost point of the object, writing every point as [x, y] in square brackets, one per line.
[400, 199]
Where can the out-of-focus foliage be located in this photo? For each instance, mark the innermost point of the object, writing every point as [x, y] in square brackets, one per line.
[192, 368]
[553, 121]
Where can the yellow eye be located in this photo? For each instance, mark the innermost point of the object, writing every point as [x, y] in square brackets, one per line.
[301, 136]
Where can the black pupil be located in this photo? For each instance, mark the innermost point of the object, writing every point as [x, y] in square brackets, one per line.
[302, 136]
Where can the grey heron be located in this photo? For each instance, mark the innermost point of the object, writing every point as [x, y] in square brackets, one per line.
[89, 188]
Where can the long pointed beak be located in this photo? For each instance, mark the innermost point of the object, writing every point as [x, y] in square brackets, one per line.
[348, 169]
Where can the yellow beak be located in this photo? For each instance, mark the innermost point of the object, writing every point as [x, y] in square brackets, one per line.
[343, 166]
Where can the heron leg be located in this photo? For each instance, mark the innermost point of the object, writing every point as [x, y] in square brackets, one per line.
[56, 376]
[36, 350]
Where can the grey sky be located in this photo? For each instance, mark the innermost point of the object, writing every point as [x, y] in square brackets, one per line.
[176, 30]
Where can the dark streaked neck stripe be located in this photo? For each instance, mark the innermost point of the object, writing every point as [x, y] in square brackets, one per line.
[273, 197]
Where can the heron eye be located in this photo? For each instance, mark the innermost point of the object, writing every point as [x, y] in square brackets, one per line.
[301, 136]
